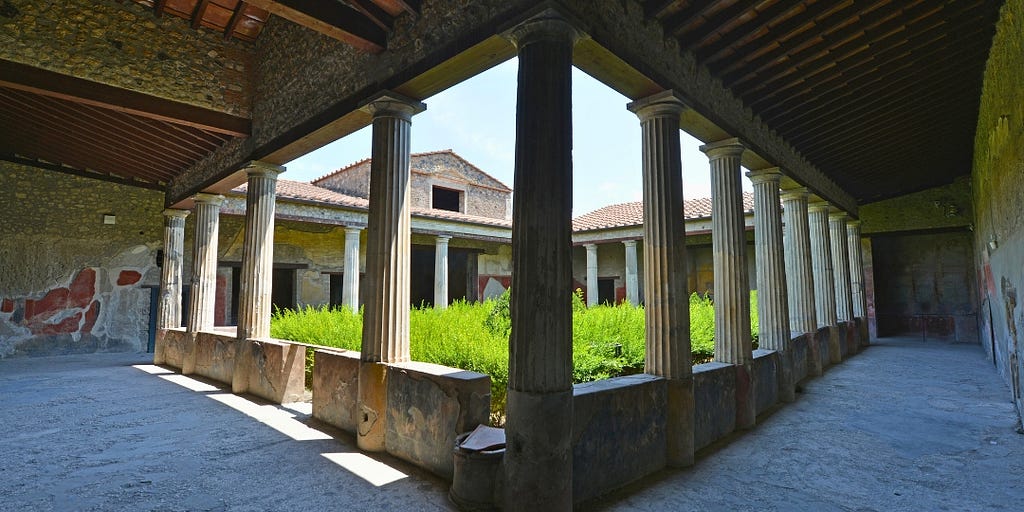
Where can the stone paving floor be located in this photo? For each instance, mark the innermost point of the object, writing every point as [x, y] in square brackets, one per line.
[906, 425]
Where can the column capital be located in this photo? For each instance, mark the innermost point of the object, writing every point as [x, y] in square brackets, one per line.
[392, 104]
[790, 194]
[443, 239]
[629, 243]
[214, 199]
[175, 213]
[723, 148]
[769, 175]
[550, 25]
[853, 223]
[353, 230]
[263, 169]
[818, 206]
[838, 215]
[590, 247]
[663, 104]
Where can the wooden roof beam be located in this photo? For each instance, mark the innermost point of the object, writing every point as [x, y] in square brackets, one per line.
[333, 19]
[374, 13]
[56, 85]
[16, 159]
[236, 17]
[199, 12]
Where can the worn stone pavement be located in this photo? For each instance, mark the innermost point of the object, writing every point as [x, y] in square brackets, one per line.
[905, 425]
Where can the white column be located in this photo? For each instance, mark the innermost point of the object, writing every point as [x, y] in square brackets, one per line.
[257, 252]
[350, 279]
[441, 272]
[386, 311]
[860, 309]
[632, 283]
[170, 276]
[799, 270]
[821, 257]
[204, 262]
[841, 266]
[666, 303]
[592, 295]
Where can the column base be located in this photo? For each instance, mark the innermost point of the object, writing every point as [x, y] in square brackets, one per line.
[371, 406]
[835, 344]
[538, 455]
[243, 366]
[814, 366]
[680, 423]
[188, 356]
[787, 383]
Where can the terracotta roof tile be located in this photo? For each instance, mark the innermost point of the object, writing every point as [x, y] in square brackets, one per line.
[632, 214]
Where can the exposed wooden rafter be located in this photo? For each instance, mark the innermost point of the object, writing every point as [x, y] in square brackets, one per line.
[47, 83]
[199, 12]
[236, 17]
[333, 19]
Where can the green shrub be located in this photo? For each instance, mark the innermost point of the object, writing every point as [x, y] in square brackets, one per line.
[607, 340]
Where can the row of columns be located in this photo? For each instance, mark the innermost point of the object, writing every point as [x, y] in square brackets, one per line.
[631, 278]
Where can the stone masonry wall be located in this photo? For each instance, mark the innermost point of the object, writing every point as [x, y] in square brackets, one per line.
[998, 185]
[124, 45]
[948, 206]
[68, 282]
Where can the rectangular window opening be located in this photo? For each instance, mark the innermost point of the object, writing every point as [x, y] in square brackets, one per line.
[446, 199]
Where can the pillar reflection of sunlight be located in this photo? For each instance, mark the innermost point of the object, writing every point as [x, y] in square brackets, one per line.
[371, 470]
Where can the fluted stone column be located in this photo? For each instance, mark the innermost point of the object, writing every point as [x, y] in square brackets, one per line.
[538, 458]
[386, 311]
[824, 285]
[860, 308]
[350, 279]
[772, 307]
[169, 312]
[592, 295]
[799, 273]
[257, 252]
[632, 281]
[732, 288]
[256, 276]
[441, 272]
[169, 309]
[666, 303]
[204, 273]
[204, 262]
[841, 266]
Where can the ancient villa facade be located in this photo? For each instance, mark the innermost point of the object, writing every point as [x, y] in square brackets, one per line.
[891, 132]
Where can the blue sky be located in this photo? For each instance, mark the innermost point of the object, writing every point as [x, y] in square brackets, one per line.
[476, 119]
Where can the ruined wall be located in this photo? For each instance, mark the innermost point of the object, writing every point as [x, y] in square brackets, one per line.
[998, 185]
[68, 282]
[124, 45]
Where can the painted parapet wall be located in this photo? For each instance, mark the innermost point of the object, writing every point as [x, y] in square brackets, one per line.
[69, 283]
[997, 182]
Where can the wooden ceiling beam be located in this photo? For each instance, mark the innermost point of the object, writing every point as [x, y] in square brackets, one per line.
[412, 7]
[714, 51]
[712, 24]
[236, 17]
[654, 8]
[198, 13]
[374, 13]
[333, 19]
[15, 159]
[158, 7]
[55, 85]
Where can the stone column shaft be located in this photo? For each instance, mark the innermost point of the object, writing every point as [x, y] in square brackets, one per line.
[841, 266]
[257, 252]
[386, 311]
[169, 312]
[821, 257]
[732, 287]
[799, 274]
[592, 295]
[772, 307]
[632, 281]
[204, 262]
[860, 308]
[350, 279]
[441, 272]
[729, 250]
[538, 459]
[666, 303]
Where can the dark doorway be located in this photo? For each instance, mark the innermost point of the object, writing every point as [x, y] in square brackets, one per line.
[421, 279]
[606, 290]
[154, 304]
[282, 291]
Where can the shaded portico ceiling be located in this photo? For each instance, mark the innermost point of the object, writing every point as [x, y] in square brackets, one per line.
[881, 96]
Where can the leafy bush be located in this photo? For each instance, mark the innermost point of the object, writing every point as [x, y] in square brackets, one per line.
[607, 340]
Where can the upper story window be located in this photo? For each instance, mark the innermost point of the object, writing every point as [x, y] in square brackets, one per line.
[446, 199]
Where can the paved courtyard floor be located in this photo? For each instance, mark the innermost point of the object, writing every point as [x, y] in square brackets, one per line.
[906, 425]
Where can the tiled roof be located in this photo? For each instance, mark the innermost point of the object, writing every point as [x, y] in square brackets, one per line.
[632, 214]
[302, 191]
